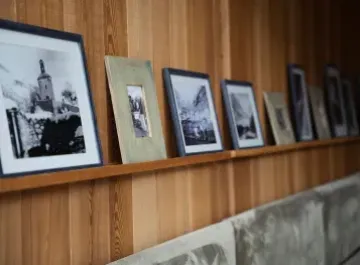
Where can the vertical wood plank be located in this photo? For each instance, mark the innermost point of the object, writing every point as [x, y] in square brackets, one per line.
[101, 222]
[200, 196]
[167, 207]
[38, 216]
[264, 178]
[54, 14]
[58, 237]
[80, 215]
[144, 201]
[183, 201]
[121, 218]
[243, 185]
[242, 40]
[283, 181]
[220, 30]
[8, 9]
[220, 191]
[261, 57]
[11, 232]
[161, 58]
[45, 223]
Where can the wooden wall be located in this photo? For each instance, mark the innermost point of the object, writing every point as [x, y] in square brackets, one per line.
[99, 221]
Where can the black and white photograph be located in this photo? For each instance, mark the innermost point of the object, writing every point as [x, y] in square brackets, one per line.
[212, 245]
[351, 115]
[193, 111]
[138, 111]
[279, 118]
[335, 102]
[279, 113]
[242, 114]
[41, 106]
[300, 106]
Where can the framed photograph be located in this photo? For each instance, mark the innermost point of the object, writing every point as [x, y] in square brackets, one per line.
[242, 114]
[279, 118]
[351, 115]
[335, 102]
[193, 112]
[319, 112]
[357, 97]
[136, 109]
[300, 107]
[46, 109]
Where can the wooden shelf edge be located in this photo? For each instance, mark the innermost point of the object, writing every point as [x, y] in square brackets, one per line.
[268, 150]
[72, 176]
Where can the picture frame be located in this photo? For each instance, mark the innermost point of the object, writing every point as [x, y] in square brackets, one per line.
[351, 115]
[242, 114]
[335, 101]
[45, 101]
[279, 118]
[320, 116]
[136, 109]
[193, 112]
[357, 96]
[300, 106]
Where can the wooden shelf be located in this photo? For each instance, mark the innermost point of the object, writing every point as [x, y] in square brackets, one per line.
[63, 177]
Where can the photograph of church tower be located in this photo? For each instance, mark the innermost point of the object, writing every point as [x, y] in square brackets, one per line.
[45, 90]
[41, 103]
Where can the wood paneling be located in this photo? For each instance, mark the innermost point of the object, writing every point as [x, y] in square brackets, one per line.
[96, 221]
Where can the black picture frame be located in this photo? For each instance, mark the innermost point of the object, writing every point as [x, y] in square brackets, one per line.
[178, 124]
[77, 39]
[334, 101]
[350, 109]
[357, 96]
[245, 88]
[299, 104]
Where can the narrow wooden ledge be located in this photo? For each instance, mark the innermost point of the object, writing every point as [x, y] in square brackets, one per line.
[64, 177]
[276, 149]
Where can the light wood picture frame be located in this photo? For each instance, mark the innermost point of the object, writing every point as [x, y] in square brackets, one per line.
[279, 118]
[319, 113]
[136, 109]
